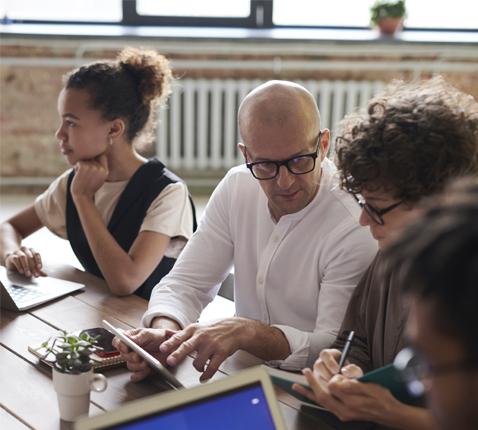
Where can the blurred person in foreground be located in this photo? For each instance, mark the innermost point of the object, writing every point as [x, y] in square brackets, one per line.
[438, 260]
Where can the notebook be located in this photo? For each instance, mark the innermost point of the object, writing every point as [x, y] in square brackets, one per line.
[391, 377]
[19, 293]
[245, 400]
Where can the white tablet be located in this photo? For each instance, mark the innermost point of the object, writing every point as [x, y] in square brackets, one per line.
[168, 377]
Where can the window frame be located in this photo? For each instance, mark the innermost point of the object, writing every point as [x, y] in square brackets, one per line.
[258, 7]
[260, 17]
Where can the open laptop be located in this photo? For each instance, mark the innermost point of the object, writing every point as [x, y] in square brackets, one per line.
[245, 400]
[19, 293]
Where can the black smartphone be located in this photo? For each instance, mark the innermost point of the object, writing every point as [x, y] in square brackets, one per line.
[104, 339]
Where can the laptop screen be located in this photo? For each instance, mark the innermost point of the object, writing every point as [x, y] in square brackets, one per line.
[241, 408]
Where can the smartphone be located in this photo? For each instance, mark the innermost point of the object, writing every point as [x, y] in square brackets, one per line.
[104, 339]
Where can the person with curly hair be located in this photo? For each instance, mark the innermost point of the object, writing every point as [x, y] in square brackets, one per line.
[411, 141]
[126, 217]
[438, 260]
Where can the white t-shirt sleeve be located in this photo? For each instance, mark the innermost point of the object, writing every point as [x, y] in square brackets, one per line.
[50, 206]
[170, 213]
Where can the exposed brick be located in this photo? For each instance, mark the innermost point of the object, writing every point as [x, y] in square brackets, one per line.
[28, 95]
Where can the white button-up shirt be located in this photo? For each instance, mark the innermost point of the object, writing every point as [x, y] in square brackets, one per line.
[296, 274]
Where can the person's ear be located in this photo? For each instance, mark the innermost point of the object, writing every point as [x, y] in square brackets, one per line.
[242, 148]
[117, 128]
[324, 143]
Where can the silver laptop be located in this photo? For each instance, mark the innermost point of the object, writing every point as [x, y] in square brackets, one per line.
[245, 400]
[19, 293]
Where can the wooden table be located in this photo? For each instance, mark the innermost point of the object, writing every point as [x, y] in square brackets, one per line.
[27, 398]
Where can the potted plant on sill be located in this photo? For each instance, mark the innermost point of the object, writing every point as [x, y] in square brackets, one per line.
[73, 376]
[388, 16]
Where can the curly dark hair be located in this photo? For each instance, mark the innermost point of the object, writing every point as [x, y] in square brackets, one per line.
[436, 259]
[129, 88]
[413, 138]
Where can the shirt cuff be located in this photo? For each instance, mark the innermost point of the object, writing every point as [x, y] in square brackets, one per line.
[153, 313]
[299, 344]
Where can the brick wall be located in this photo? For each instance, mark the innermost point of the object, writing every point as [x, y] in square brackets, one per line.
[31, 71]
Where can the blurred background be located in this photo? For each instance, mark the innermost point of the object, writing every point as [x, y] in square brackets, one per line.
[219, 50]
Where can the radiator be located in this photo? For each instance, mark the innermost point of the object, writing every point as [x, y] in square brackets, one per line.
[197, 130]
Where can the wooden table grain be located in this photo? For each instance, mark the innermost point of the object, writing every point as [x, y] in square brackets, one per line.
[27, 399]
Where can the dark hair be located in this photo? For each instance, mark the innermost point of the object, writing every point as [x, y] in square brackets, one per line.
[413, 138]
[128, 88]
[436, 259]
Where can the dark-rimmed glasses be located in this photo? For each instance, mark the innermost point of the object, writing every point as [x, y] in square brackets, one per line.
[374, 213]
[298, 165]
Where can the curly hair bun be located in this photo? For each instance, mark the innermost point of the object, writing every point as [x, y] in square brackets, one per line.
[150, 70]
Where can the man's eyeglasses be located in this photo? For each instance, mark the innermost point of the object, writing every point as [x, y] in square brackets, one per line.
[374, 213]
[298, 165]
[415, 370]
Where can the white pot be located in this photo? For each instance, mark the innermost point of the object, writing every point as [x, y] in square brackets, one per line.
[73, 392]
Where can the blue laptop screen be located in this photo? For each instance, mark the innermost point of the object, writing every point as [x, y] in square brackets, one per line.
[243, 408]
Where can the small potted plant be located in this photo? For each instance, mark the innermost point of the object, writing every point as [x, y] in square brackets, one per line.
[388, 16]
[73, 376]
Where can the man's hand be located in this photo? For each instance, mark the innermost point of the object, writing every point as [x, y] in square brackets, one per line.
[26, 261]
[213, 343]
[150, 340]
[90, 175]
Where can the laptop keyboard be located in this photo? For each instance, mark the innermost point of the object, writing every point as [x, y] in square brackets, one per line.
[21, 294]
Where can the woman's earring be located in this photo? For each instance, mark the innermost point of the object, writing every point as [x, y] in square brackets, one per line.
[111, 141]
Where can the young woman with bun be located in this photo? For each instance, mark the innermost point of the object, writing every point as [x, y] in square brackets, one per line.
[127, 218]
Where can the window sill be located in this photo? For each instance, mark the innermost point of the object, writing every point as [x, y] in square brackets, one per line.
[238, 34]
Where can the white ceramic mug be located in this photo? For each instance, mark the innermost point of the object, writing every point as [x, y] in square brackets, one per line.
[73, 392]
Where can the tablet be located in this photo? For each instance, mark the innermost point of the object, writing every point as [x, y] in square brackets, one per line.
[168, 377]
[245, 400]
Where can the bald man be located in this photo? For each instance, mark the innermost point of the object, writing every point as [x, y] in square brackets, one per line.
[289, 231]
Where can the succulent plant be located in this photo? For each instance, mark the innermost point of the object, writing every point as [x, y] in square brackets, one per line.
[383, 9]
[71, 352]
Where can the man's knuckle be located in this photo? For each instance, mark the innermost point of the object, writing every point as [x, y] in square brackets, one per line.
[187, 344]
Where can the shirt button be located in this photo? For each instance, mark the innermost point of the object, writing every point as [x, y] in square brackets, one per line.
[260, 280]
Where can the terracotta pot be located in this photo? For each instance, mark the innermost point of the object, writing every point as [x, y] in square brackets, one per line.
[73, 392]
[389, 26]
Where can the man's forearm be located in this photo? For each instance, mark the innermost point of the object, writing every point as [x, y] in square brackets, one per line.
[263, 341]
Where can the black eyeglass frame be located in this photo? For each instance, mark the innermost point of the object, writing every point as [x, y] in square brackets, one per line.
[374, 213]
[286, 162]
